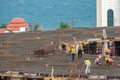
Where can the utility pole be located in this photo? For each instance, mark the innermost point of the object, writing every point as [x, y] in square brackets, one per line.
[105, 44]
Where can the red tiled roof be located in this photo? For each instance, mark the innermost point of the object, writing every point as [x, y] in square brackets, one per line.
[17, 22]
[2, 30]
[13, 29]
[18, 25]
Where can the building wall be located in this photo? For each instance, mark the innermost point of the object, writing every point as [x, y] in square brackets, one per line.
[22, 29]
[99, 14]
[102, 7]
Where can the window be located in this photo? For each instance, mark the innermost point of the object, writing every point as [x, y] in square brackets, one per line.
[110, 17]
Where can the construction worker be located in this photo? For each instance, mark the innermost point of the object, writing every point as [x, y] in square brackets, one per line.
[73, 52]
[80, 49]
[87, 64]
[109, 61]
[81, 45]
[106, 60]
[68, 54]
[107, 52]
[79, 53]
[97, 61]
[77, 47]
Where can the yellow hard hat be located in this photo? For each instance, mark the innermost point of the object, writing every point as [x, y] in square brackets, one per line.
[107, 50]
[73, 46]
[106, 58]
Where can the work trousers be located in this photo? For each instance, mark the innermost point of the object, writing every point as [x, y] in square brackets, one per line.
[79, 54]
[73, 57]
[87, 70]
[68, 57]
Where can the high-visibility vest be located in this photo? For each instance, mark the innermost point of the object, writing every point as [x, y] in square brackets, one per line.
[87, 62]
[73, 51]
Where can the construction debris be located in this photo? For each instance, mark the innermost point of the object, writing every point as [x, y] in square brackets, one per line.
[43, 52]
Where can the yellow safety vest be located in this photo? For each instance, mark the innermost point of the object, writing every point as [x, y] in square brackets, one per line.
[73, 51]
[87, 62]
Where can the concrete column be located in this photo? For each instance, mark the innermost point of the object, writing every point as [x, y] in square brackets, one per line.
[99, 13]
[105, 44]
[117, 12]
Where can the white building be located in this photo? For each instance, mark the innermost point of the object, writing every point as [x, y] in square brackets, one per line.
[18, 25]
[108, 13]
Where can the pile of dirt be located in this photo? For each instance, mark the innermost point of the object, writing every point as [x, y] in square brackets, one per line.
[43, 52]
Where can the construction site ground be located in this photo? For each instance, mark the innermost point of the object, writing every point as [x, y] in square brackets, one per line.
[17, 52]
[59, 62]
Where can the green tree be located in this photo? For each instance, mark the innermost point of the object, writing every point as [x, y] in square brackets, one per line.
[37, 26]
[64, 25]
[3, 25]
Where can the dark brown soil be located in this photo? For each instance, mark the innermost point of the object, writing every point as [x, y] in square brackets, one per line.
[17, 52]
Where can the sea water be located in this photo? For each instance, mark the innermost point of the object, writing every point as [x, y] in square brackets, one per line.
[50, 13]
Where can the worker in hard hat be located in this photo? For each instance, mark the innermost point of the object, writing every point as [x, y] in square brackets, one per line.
[87, 64]
[107, 51]
[73, 52]
[81, 45]
[97, 61]
[68, 54]
[106, 60]
[109, 61]
[79, 53]
[80, 50]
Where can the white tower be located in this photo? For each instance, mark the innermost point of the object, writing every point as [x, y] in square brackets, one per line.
[108, 13]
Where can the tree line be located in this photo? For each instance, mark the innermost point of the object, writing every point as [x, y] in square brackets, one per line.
[38, 26]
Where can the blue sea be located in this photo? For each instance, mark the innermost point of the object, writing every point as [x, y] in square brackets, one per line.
[50, 13]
